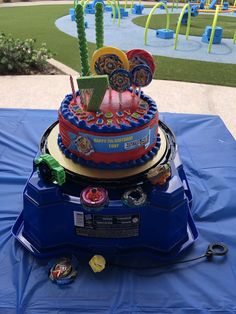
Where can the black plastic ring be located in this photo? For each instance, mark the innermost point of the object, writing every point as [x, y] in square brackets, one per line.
[217, 249]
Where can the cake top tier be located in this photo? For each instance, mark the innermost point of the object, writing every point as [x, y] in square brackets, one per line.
[135, 111]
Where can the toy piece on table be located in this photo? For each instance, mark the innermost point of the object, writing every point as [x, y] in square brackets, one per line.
[134, 197]
[97, 263]
[92, 89]
[63, 271]
[50, 170]
[94, 198]
[159, 175]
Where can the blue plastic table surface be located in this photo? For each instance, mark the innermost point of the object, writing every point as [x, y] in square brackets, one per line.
[208, 152]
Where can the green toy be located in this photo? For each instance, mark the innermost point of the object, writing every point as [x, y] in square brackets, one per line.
[50, 170]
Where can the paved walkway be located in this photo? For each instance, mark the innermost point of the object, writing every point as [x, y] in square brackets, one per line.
[47, 92]
[130, 35]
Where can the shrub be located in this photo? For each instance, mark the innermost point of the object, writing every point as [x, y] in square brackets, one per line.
[21, 57]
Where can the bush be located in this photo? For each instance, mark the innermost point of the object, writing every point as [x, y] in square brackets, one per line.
[21, 57]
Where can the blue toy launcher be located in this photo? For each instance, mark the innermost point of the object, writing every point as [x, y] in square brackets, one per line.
[135, 221]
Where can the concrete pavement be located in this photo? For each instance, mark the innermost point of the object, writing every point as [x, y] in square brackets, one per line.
[47, 92]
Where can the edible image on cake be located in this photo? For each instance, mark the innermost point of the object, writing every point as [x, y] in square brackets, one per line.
[84, 145]
[106, 64]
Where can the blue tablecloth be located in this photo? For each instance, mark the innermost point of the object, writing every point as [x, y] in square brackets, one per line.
[208, 152]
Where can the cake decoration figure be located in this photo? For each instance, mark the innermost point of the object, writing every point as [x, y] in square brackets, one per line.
[84, 145]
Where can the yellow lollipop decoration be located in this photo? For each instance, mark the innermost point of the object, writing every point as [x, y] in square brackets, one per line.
[108, 59]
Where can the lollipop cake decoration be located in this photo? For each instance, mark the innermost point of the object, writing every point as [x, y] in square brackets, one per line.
[142, 67]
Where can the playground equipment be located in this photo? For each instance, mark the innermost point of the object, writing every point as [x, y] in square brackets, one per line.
[202, 4]
[113, 8]
[162, 6]
[137, 9]
[123, 13]
[187, 6]
[173, 5]
[194, 13]
[212, 32]
[217, 36]
[116, 13]
[212, 5]
[162, 33]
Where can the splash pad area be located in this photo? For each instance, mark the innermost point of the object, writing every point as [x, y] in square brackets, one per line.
[128, 36]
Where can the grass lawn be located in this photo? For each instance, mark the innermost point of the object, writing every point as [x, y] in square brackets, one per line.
[39, 22]
[198, 23]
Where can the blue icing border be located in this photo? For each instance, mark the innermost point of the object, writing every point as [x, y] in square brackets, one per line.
[64, 109]
[114, 165]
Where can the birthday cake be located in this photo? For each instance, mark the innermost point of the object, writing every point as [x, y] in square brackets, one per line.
[109, 122]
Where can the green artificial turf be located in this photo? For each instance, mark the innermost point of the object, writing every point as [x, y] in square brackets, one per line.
[198, 23]
[39, 22]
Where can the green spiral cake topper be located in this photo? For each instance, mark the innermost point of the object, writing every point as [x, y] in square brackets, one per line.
[79, 16]
[99, 24]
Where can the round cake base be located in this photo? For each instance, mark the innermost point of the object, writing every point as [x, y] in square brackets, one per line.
[49, 144]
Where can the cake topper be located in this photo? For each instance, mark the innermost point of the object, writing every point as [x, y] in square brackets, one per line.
[108, 59]
[99, 24]
[83, 46]
[142, 76]
[93, 89]
[120, 81]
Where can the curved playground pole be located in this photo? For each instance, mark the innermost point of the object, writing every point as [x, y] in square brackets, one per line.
[131, 5]
[213, 28]
[116, 5]
[113, 11]
[179, 24]
[75, 3]
[173, 5]
[234, 39]
[84, 3]
[150, 16]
